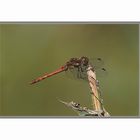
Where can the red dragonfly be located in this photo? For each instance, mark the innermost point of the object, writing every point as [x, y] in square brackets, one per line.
[78, 64]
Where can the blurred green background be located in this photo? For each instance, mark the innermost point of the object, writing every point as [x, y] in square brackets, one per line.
[30, 50]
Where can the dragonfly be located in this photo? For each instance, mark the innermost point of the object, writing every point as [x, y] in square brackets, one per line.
[77, 66]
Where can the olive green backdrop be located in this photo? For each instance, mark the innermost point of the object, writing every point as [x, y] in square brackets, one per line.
[30, 50]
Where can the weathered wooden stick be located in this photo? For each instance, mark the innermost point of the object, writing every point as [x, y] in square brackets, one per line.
[92, 83]
[96, 99]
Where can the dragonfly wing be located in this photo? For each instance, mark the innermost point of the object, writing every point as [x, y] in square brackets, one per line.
[101, 72]
[76, 73]
[71, 73]
[96, 63]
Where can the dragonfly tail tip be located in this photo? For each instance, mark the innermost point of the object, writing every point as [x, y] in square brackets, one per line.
[32, 82]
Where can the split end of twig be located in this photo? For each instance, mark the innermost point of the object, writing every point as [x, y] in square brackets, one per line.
[33, 82]
[83, 111]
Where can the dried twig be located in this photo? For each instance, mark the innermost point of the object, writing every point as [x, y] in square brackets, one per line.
[82, 111]
[94, 92]
[96, 97]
